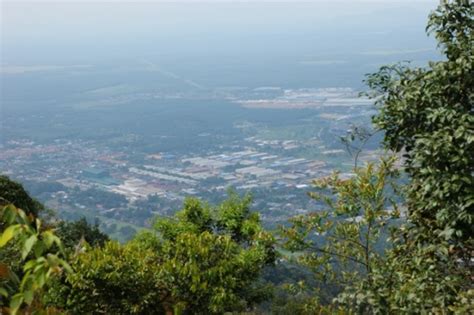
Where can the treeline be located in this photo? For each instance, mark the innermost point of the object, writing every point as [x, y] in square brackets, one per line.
[376, 248]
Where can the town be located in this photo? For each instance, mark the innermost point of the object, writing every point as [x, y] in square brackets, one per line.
[126, 188]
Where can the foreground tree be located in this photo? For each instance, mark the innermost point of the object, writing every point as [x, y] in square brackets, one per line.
[113, 279]
[204, 260]
[12, 192]
[213, 256]
[427, 113]
[39, 257]
[344, 243]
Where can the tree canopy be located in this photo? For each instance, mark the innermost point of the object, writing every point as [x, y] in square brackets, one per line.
[426, 114]
[205, 260]
[14, 193]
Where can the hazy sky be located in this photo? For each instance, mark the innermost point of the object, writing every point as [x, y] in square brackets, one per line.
[55, 30]
[214, 43]
[267, 1]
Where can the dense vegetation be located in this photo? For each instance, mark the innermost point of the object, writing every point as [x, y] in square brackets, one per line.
[13, 193]
[212, 259]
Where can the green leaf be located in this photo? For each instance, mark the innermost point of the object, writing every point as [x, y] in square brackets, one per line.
[48, 238]
[38, 249]
[8, 234]
[15, 303]
[3, 292]
[28, 245]
[66, 266]
[28, 296]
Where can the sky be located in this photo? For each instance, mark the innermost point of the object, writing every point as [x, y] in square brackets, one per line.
[37, 30]
[213, 43]
[217, 1]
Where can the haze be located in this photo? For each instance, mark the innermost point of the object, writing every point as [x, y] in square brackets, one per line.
[68, 33]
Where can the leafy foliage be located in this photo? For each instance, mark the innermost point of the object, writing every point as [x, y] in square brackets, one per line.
[210, 273]
[427, 113]
[41, 252]
[113, 279]
[204, 260]
[213, 256]
[14, 193]
[72, 233]
[341, 244]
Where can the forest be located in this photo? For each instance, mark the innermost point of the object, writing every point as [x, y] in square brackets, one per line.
[395, 238]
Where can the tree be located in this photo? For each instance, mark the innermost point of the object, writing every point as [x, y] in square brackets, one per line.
[343, 243]
[213, 256]
[14, 193]
[203, 260]
[40, 259]
[72, 233]
[113, 279]
[427, 113]
[211, 274]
